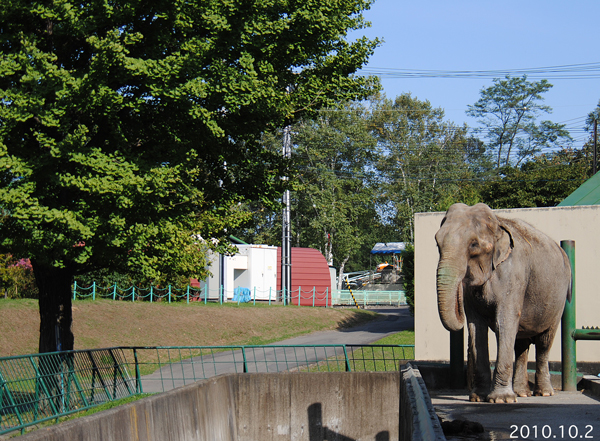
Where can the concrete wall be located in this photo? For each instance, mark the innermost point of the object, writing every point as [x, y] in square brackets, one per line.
[251, 407]
[580, 224]
[417, 415]
[315, 407]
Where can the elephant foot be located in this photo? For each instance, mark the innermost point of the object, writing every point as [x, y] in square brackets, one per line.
[522, 391]
[476, 398]
[503, 396]
[544, 392]
[479, 394]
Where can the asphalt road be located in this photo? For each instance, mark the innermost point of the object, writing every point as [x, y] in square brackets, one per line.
[283, 355]
[393, 320]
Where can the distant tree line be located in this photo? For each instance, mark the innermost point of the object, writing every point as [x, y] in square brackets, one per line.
[362, 170]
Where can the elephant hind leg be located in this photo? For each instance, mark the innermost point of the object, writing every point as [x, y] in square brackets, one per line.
[520, 376]
[543, 343]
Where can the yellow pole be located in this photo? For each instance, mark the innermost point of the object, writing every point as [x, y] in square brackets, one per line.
[351, 293]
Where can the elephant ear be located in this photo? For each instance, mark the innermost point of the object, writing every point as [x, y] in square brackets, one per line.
[503, 246]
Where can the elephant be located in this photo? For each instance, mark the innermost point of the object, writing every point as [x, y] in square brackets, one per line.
[502, 274]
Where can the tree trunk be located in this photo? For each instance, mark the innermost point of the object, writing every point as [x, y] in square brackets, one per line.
[342, 265]
[56, 317]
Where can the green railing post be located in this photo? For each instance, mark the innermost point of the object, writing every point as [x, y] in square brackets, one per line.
[74, 289]
[94, 291]
[299, 296]
[348, 368]
[586, 334]
[133, 293]
[568, 347]
[327, 297]
[115, 291]
[12, 402]
[188, 294]
[138, 377]
[97, 372]
[269, 296]
[314, 296]
[80, 390]
[205, 294]
[221, 294]
[245, 368]
[151, 292]
[255, 296]
[169, 293]
[43, 373]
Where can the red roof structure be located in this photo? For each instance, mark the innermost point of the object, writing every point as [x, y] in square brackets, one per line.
[309, 270]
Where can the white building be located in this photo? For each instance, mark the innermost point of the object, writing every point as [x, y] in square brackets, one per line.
[253, 267]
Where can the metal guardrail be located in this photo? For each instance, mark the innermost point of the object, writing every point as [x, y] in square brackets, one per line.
[366, 298]
[42, 387]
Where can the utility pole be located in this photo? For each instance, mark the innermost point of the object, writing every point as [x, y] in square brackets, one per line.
[595, 167]
[286, 236]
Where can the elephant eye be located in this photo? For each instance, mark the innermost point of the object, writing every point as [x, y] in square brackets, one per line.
[474, 244]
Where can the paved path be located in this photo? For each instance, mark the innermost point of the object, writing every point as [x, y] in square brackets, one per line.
[279, 358]
[393, 320]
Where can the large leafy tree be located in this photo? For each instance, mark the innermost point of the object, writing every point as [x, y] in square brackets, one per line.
[425, 163]
[335, 204]
[508, 113]
[129, 130]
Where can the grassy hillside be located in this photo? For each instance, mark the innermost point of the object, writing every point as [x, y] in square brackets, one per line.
[106, 323]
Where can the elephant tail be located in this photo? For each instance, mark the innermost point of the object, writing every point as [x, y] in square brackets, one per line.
[571, 271]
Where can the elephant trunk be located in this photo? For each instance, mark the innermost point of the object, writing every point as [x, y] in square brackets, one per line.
[450, 293]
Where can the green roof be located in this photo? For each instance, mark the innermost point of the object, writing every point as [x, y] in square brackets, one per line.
[587, 194]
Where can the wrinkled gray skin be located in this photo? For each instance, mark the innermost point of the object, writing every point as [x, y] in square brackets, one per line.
[506, 275]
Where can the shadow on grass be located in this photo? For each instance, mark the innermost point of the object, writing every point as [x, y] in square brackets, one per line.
[358, 317]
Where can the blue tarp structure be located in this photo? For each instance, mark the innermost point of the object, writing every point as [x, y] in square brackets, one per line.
[388, 248]
[241, 295]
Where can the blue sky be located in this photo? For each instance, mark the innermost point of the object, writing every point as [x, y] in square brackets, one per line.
[488, 35]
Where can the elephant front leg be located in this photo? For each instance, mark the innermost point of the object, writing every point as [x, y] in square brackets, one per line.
[478, 363]
[506, 331]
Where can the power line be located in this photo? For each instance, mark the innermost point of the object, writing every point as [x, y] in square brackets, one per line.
[563, 72]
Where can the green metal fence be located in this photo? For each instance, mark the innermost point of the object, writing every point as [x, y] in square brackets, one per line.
[300, 296]
[41, 387]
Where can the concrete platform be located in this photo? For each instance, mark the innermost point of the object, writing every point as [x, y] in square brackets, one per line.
[566, 415]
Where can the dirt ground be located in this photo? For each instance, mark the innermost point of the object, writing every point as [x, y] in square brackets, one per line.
[107, 323]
